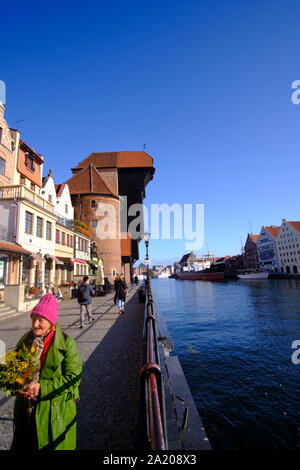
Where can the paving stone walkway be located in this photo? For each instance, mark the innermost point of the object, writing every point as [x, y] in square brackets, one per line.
[111, 352]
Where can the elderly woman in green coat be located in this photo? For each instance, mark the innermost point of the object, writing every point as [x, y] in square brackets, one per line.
[45, 410]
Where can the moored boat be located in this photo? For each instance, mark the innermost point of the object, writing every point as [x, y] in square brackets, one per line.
[257, 275]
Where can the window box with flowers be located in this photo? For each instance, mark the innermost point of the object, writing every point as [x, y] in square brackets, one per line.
[82, 228]
[31, 292]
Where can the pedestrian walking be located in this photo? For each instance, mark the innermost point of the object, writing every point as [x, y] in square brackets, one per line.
[51, 287]
[45, 410]
[121, 292]
[85, 292]
[59, 294]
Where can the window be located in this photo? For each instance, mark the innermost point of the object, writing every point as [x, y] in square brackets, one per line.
[94, 223]
[68, 239]
[57, 236]
[66, 208]
[28, 222]
[29, 162]
[39, 227]
[48, 231]
[32, 186]
[50, 198]
[1, 132]
[93, 204]
[22, 179]
[2, 166]
[63, 238]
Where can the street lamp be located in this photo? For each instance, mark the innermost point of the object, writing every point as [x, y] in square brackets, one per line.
[146, 237]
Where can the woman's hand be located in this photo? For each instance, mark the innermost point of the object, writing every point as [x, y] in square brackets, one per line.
[31, 391]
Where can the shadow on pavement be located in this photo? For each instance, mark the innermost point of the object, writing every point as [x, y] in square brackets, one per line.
[110, 388]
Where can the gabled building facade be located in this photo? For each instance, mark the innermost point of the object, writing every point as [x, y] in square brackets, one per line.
[267, 250]
[59, 196]
[187, 260]
[250, 253]
[288, 247]
[29, 221]
[9, 144]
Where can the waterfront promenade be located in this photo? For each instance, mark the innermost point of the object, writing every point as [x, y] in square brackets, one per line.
[111, 352]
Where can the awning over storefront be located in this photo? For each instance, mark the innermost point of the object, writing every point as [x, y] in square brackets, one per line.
[72, 260]
[10, 247]
[37, 257]
[56, 260]
[80, 261]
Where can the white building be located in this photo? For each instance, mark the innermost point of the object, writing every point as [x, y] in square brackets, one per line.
[71, 247]
[59, 196]
[267, 250]
[288, 247]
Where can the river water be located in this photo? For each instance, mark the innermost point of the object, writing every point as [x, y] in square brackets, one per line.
[234, 342]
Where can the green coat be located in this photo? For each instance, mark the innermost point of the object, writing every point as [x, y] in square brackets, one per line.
[55, 415]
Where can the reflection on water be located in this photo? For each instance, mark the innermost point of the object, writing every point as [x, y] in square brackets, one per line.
[233, 339]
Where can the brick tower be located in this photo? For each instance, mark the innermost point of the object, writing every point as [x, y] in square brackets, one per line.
[97, 186]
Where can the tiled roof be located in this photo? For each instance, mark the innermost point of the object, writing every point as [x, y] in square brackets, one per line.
[88, 181]
[296, 225]
[273, 230]
[60, 189]
[254, 238]
[12, 248]
[185, 258]
[117, 160]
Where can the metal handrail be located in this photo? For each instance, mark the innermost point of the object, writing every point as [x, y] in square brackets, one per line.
[152, 381]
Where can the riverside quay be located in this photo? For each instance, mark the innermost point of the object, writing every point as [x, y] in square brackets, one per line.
[133, 394]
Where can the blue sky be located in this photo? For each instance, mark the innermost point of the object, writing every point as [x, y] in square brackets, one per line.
[206, 85]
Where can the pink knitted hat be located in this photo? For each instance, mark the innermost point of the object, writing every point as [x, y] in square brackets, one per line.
[47, 308]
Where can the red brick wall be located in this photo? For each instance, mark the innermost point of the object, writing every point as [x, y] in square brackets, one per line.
[111, 248]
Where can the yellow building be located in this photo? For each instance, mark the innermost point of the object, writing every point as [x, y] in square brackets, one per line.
[64, 251]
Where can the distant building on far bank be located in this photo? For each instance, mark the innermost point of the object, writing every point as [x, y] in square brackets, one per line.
[266, 248]
[187, 260]
[250, 253]
[157, 268]
[288, 247]
[139, 270]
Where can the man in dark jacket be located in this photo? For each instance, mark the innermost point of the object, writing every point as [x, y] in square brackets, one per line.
[85, 292]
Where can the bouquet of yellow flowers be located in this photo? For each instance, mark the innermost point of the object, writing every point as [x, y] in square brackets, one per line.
[18, 368]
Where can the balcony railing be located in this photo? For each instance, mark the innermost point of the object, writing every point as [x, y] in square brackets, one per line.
[68, 223]
[22, 192]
